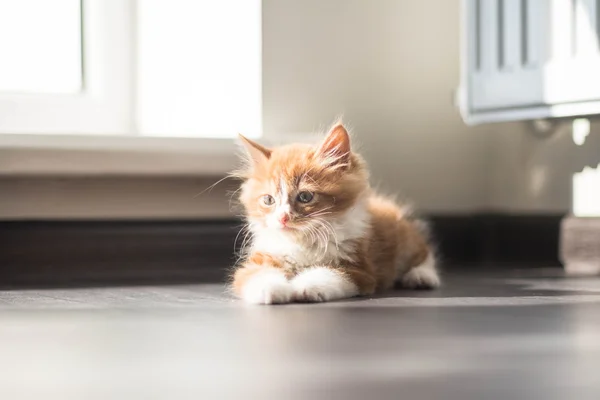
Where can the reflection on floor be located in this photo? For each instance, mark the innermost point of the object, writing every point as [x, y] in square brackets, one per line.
[486, 335]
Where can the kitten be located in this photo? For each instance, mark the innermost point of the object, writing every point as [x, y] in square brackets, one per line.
[319, 232]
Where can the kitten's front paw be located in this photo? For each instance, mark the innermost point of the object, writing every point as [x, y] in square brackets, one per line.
[311, 294]
[320, 284]
[268, 288]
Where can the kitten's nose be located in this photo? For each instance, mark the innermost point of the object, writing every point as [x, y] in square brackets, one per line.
[284, 219]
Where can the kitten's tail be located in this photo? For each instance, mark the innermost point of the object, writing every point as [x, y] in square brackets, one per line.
[420, 268]
[420, 224]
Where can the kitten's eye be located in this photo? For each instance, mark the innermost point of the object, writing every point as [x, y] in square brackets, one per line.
[305, 197]
[268, 200]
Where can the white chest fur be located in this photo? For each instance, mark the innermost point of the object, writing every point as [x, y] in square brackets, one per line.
[340, 243]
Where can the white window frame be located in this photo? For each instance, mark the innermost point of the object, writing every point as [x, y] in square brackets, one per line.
[94, 132]
[105, 104]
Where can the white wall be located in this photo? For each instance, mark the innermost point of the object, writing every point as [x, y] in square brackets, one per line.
[390, 67]
[532, 175]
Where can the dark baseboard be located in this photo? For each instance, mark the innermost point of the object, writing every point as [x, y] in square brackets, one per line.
[498, 239]
[123, 252]
[66, 253]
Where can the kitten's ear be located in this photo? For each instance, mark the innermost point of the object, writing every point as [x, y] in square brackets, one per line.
[335, 148]
[257, 153]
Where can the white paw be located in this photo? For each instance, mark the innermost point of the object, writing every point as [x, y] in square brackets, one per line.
[319, 284]
[424, 276]
[420, 279]
[269, 287]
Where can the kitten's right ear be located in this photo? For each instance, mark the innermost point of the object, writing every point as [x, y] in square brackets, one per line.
[335, 148]
[257, 153]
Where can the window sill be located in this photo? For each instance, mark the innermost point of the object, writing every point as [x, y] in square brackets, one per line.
[58, 155]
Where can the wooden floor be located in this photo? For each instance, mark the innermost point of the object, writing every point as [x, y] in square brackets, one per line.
[507, 334]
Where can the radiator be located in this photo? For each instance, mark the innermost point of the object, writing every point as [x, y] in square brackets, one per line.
[529, 59]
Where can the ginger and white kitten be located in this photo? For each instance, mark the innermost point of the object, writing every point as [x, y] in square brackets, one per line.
[319, 232]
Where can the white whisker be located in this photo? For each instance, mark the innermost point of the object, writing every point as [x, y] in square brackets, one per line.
[211, 187]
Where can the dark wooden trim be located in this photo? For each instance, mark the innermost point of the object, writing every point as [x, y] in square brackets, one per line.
[498, 239]
[88, 252]
[126, 252]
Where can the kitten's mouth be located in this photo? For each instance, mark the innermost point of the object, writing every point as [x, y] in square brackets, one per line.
[289, 228]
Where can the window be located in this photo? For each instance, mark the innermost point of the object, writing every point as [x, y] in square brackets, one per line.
[41, 50]
[529, 59]
[178, 68]
[92, 98]
[199, 67]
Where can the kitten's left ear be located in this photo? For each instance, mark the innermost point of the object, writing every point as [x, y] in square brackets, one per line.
[257, 153]
[335, 149]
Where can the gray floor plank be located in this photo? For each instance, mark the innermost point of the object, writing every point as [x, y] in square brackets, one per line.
[485, 335]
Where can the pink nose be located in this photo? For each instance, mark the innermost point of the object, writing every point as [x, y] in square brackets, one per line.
[284, 219]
